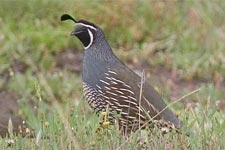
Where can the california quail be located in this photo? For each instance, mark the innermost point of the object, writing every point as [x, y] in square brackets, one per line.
[109, 85]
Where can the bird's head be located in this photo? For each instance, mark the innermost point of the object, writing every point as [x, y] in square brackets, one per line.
[85, 31]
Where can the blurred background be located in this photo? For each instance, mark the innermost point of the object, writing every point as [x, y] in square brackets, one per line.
[179, 45]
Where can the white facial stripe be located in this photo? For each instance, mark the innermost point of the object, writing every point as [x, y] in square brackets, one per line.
[88, 26]
[91, 39]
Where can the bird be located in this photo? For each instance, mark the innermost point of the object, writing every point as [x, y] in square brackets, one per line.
[110, 86]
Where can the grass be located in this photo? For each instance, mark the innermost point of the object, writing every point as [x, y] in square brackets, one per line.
[183, 37]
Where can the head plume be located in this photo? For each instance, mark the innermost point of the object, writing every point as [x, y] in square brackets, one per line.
[67, 17]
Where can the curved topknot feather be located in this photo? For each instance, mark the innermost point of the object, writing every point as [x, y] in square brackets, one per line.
[67, 17]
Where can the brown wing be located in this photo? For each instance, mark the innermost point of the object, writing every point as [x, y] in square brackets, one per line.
[121, 99]
[151, 101]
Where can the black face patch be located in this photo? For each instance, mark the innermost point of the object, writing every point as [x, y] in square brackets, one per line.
[84, 37]
[85, 33]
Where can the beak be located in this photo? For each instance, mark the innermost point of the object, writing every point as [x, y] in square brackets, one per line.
[78, 29]
[73, 33]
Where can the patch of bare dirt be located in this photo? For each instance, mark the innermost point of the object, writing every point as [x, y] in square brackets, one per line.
[161, 76]
[70, 60]
[19, 66]
[16, 66]
[220, 104]
[174, 81]
[9, 110]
